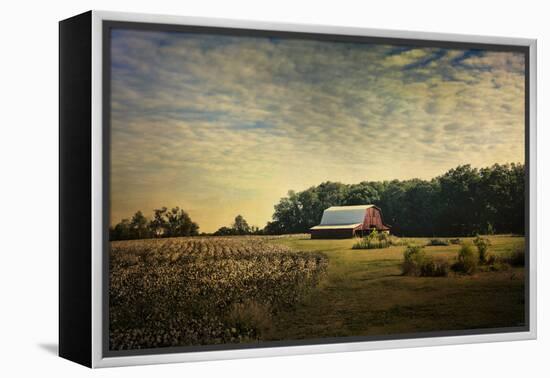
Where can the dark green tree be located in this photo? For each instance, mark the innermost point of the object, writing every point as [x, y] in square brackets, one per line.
[159, 224]
[180, 223]
[171, 223]
[460, 205]
[225, 231]
[138, 226]
[462, 201]
[241, 226]
[360, 194]
[121, 231]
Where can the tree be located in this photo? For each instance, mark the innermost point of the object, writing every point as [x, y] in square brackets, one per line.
[165, 223]
[299, 211]
[121, 231]
[241, 226]
[224, 231]
[174, 222]
[460, 205]
[287, 214]
[502, 195]
[392, 199]
[138, 225]
[159, 225]
[180, 223]
[463, 201]
[360, 194]
[273, 228]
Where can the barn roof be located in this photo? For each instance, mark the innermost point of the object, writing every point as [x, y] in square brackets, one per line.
[344, 215]
[335, 226]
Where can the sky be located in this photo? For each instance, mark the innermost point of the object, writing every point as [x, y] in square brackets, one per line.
[224, 125]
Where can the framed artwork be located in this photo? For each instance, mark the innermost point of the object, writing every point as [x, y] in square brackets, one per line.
[233, 189]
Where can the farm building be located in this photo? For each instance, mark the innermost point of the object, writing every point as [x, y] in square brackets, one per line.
[339, 222]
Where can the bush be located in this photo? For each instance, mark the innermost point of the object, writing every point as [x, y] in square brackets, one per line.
[367, 243]
[454, 241]
[377, 240]
[413, 258]
[467, 260]
[482, 245]
[417, 263]
[498, 266]
[516, 256]
[433, 242]
[492, 259]
[494, 263]
[432, 268]
[374, 240]
[381, 236]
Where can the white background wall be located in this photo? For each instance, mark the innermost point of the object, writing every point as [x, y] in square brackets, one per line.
[28, 190]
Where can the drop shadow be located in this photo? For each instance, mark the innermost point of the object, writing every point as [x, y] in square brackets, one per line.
[51, 348]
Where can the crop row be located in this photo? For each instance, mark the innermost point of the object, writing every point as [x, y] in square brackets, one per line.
[192, 291]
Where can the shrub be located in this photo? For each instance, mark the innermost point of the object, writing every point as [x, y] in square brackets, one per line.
[433, 242]
[494, 263]
[367, 243]
[482, 245]
[413, 258]
[516, 256]
[492, 259]
[454, 241]
[374, 240]
[417, 263]
[467, 260]
[432, 268]
[498, 266]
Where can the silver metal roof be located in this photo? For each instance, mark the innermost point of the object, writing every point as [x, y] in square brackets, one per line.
[335, 226]
[344, 215]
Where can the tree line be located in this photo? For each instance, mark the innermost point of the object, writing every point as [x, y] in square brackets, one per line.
[239, 227]
[164, 223]
[463, 201]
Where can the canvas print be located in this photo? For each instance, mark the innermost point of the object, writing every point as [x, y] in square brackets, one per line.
[278, 189]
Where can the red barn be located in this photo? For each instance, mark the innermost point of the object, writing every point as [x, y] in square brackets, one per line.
[340, 222]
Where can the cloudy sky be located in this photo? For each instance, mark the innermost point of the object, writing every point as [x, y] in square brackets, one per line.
[222, 125]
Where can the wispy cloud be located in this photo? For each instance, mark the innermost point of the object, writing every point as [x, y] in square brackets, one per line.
[222, 125]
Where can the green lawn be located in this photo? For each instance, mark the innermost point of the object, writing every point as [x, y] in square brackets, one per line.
[364, 293]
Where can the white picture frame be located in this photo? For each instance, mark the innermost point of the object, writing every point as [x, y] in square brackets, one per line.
[98, 356]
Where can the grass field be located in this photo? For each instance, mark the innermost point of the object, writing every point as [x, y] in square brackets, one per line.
[364, 293]
[205, 290]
